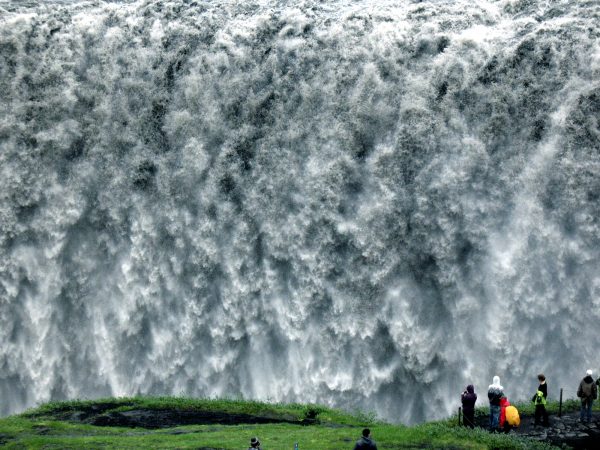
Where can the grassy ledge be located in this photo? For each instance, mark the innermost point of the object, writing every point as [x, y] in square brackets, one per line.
[227, 424]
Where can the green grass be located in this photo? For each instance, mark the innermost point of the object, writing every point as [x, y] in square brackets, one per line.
[569, 405]
[39, 429]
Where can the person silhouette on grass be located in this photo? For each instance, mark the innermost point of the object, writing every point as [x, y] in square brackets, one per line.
[365, 442]
[254, 444]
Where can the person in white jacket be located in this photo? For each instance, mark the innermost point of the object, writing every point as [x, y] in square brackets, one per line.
[495, 393]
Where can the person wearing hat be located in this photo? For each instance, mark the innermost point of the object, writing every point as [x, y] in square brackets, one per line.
[254, 444]
[587, 392]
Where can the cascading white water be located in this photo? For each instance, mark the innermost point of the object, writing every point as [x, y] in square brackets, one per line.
[366, 204]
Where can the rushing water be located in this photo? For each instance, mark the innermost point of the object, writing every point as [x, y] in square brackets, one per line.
[362, 204]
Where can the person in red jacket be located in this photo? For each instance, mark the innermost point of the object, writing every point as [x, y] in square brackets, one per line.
[504, 425]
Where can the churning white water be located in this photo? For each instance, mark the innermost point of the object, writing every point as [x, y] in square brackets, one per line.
[367, 204]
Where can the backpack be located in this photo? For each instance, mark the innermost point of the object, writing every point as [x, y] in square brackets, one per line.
[587, 390]
[512, 416]
[539, 398]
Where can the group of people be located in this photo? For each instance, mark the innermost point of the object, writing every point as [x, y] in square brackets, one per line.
[504, 416]
[364, 443]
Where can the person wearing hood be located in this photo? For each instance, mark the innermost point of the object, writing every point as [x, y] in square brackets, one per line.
[587, 392]
[468, 399]
[365, 442]
[495, 393]
[503, 423]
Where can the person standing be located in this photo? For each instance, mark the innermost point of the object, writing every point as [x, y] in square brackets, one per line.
[495, 393]
[503, 423]
[539, 399]
[468, 399]
[587, 392]
[365, 442]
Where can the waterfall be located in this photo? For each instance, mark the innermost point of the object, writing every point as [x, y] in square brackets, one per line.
[365, 204]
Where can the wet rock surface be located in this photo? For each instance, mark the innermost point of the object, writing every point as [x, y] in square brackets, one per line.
[566, 430]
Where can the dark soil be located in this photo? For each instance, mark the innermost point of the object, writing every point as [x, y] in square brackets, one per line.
[146, 418]
[104, 415]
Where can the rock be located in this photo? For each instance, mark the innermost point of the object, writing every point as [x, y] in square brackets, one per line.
[41, 429]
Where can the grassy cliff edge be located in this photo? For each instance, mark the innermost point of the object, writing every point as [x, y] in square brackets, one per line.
[184, 423]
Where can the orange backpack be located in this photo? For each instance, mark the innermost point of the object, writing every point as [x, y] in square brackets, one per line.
[512, 416]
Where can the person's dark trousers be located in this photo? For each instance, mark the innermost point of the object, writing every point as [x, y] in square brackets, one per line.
[494, 417]
[586, 409]
[541, 415]
[469, 419]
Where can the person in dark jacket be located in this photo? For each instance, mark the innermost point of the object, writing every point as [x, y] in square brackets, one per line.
[254, 444]
[587, 392]
[468, 399]
[539, 399]
[495, 393]
[365, 442]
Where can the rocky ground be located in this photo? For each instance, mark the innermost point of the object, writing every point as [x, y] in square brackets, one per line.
[566, 430]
